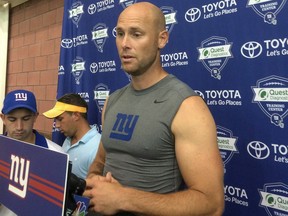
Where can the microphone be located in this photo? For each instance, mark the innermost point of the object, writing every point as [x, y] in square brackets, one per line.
[75, 187]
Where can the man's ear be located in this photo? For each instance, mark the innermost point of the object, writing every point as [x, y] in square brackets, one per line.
[36, 116]
[2, 116]
[163, 39]
[76, 115]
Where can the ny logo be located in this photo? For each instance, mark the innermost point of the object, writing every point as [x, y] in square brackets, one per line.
[20, 96]
[124, 126]
[19, 175]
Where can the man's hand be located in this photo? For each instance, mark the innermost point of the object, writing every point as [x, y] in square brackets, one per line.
[103, 192]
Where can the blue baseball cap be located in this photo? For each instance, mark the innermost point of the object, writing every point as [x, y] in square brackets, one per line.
[19, 99]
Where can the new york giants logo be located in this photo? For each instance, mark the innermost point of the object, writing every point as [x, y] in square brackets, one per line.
[20, 97]
[124, 126]
[19, 175]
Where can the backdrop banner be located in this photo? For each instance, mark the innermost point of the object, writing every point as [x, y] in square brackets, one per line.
[234, 53]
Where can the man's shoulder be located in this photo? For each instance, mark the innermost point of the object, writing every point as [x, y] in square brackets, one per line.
[92, 136]
[120, 90]
[94, 130]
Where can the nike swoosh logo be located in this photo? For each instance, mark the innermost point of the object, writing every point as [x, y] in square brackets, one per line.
[159, 101]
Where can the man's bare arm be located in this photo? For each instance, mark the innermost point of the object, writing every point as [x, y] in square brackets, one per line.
[97, 166]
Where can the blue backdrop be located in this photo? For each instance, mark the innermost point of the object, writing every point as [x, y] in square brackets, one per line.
[234, 53]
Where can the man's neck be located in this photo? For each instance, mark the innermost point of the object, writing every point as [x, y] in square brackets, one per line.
[82, 130]
[148, 79]
[31, 139]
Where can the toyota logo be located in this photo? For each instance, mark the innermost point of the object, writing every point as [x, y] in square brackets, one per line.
[92, 9]
[192, 15]
[114, 32]
[67, 43]
[258, 150]
[251, 49]
[200, 94]
[94, 67]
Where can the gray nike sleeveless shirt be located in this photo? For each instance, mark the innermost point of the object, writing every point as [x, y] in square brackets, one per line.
[137, 137]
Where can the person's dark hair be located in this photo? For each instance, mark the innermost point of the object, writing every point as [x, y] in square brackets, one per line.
[74, 99]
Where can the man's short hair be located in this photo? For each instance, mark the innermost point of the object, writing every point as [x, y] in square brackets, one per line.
[68, 103]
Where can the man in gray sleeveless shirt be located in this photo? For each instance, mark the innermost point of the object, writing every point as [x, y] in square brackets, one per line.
[157, 133]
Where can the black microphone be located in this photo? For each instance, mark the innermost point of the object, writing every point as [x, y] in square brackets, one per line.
[75, 186]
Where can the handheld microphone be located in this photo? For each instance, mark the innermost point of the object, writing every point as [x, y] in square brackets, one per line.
[76, 187]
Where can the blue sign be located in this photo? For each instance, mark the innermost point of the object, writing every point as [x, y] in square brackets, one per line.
[32, 178]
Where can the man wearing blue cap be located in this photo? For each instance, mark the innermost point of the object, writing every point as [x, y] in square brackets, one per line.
[19, 113]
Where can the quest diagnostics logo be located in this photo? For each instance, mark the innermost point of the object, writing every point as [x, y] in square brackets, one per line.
[271, 95]
[100, 35]
[214, 54]
[226, 143]
[170, 17]
[267, 9]
[126, 3]
[101, 92]
[75, 13]
[274, 198]
[78, 68]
